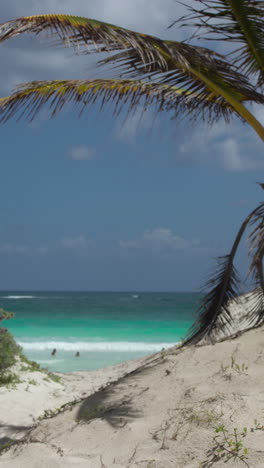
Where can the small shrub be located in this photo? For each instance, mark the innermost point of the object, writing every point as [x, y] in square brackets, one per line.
[227, 446]
[33, 382]
[55, 378]
[32, 366]
[9, 349]
[10, 379]
[257, 426]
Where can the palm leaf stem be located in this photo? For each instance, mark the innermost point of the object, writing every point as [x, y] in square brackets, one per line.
[238, 106]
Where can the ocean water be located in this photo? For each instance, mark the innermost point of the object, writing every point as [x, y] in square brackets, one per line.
[105, 328]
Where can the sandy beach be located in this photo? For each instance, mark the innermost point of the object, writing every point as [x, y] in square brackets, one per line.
[158, 412]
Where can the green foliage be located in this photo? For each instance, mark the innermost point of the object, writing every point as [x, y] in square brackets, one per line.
[30, 366]
[5, 315]
[9, 349]
[238, 368]
[32, 382]
[227, 446]
[54, 377]
[257, 426]
[204, 417]
[10, 379]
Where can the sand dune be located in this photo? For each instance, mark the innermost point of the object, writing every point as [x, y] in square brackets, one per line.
[157, 412]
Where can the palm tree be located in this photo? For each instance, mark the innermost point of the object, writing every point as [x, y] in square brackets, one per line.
[168, 76]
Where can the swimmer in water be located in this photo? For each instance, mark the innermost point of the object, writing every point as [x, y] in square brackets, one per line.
[54, 352]
[77, 354]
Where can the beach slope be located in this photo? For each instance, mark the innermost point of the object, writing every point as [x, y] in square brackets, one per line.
[163, 414]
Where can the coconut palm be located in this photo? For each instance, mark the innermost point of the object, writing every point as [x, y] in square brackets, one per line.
[165, 75]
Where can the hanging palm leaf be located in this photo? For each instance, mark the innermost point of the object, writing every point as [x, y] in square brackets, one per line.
[30, 98]
[214, 314]
[234, 21]
[197, 70]
[256, 241]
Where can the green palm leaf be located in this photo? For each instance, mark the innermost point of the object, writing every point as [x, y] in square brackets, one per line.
[30, 98]
[198, 70]
[237, 21]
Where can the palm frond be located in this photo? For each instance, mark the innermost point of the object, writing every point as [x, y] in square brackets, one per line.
[214, 312]
[256, 241]
[237, 21]
[30, 98]
[88, 35]
[197, 70]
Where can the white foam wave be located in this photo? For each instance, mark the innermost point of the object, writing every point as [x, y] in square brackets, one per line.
[49, 361]
[94, 346]
[19, 297]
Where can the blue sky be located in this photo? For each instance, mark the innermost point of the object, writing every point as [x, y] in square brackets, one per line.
[97, 204]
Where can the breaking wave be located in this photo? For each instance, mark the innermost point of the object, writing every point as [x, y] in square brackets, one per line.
[19, 297]
[118, 346]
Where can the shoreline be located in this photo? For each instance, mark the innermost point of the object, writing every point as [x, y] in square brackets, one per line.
[38, 395]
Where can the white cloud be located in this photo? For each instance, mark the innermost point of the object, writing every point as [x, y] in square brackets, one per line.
[82, 153]
[232, 147]
[79, 242]
[159, 240]
[135, 14]
[24, 250]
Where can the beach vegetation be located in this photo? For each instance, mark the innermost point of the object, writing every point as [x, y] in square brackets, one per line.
[54, 377]
[4, 315]
[9, 349]
[181, 79]
[257, 426]
[32, 382]
[11, 354]
[9, 379]
[30, 366]
[228, 445]
[205, 417]
[234, 366]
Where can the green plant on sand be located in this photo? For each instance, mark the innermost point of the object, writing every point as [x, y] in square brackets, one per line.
[9, 349]
[179, 78]
[10, 353]
[227, 446]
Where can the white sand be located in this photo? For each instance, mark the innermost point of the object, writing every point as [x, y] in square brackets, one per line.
[23, 404]
[162, 416]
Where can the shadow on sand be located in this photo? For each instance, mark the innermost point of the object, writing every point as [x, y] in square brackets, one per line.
[114, 403]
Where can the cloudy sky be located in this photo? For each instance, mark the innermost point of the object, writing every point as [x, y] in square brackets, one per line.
[101, 204]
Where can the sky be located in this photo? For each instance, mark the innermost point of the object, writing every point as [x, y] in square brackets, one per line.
[99, 203]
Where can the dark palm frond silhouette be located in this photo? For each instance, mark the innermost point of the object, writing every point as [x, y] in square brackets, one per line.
[224, 285]
[167, 76]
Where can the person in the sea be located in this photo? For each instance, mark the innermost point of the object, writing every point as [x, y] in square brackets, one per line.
[77, 354]
[54, 352]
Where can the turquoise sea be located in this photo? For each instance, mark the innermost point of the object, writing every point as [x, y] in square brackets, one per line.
[105, 328]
